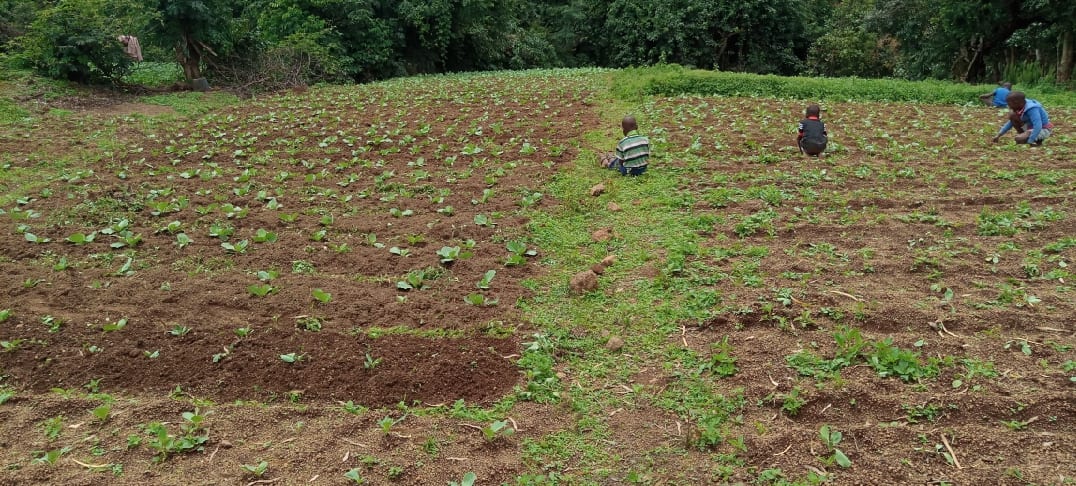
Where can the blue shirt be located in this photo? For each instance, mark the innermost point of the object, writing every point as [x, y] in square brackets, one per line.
[1033, 115]
[999, 97]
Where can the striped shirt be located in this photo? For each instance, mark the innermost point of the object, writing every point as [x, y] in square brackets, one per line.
[633, 150]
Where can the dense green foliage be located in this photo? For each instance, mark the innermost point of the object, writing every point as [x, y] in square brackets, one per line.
[670, 80]
[290, 42]
[75, 41]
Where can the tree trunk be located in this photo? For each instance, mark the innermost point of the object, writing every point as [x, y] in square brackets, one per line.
[1065, 61]
[190, 58]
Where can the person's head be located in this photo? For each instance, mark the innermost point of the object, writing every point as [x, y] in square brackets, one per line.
[1006, 85]
[629, 124]
[813, 110]
[1016, 100]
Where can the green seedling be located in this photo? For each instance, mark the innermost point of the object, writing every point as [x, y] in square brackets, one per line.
[319, 235]
[321, 296]
[6, 395]
[32, 238]
[486, 280]
[267, 275]
[257, 470]
[354, 475]
[8, 346]
[415, 280]
[386, 424]
[6, 314]
[263, 236]
[182, 240]
[53, 324]
[191, 438]
[449, 254]
[479, 300]
[102, 413]
[61, 265]
[179, 330]
[152, 354]
[400, 251]
[831, 438]
[51, 457]
[115, 326]
[292, 357]
[468, 480]
[370, 362]
[81, 239]
[53, 426]
[260, 290]
[309, 323]
[239, 247]
[483, 220]
[350, 407]
[498, 429]
[243, 331]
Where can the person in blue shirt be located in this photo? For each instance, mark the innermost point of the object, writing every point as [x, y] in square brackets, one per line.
[1028, 117]
[997, 97]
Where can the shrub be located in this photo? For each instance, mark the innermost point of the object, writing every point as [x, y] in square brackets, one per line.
[76, 41]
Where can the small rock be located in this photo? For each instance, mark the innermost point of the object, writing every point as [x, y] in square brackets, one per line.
[598, 269]
[133, 353]
[561, 375]
[614, 343]
[225, 444]
[612, 207]
[608, 261]
[584, 281]
[604, 234]
[597, 190]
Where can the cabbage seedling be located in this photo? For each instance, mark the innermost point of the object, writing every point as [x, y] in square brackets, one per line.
[486, 280]
[81, 239]
[292, 357]
[239, 247]
[115, 326]
[321, 296]
[257, 470]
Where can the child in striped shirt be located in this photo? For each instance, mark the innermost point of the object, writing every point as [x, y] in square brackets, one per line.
[632, 152]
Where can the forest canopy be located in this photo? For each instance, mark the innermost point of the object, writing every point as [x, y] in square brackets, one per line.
[291, 42]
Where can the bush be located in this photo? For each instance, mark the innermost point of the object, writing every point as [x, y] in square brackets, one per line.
[675, 80]
[76, 41]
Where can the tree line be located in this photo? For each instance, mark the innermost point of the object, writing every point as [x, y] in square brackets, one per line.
[291, 42]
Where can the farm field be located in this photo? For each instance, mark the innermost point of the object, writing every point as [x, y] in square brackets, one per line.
[370, 284]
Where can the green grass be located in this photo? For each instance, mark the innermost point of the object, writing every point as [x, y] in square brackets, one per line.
[673, 80]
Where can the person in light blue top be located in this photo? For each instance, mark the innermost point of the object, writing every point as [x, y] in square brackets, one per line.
[997, 97]
[1029, 118]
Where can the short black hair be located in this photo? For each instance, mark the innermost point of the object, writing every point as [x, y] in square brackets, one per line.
[813, 110]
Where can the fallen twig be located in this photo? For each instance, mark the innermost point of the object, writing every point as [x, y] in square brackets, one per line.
[514, 425]
[683, 335]
[457, 458]
[356, 444]
[471, 426]
[264, 481]
[784, 451]
[951, 453]
[91, 466]
[1051, 329]
[844, 294]
[214, 453]
[826, 408]
[775, 384]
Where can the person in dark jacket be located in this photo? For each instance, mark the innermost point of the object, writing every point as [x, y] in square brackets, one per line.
[812, 136]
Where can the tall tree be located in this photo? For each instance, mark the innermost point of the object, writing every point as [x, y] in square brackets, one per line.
[196, 30]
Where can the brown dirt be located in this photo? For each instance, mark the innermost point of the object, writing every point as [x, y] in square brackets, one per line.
[430, 347]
